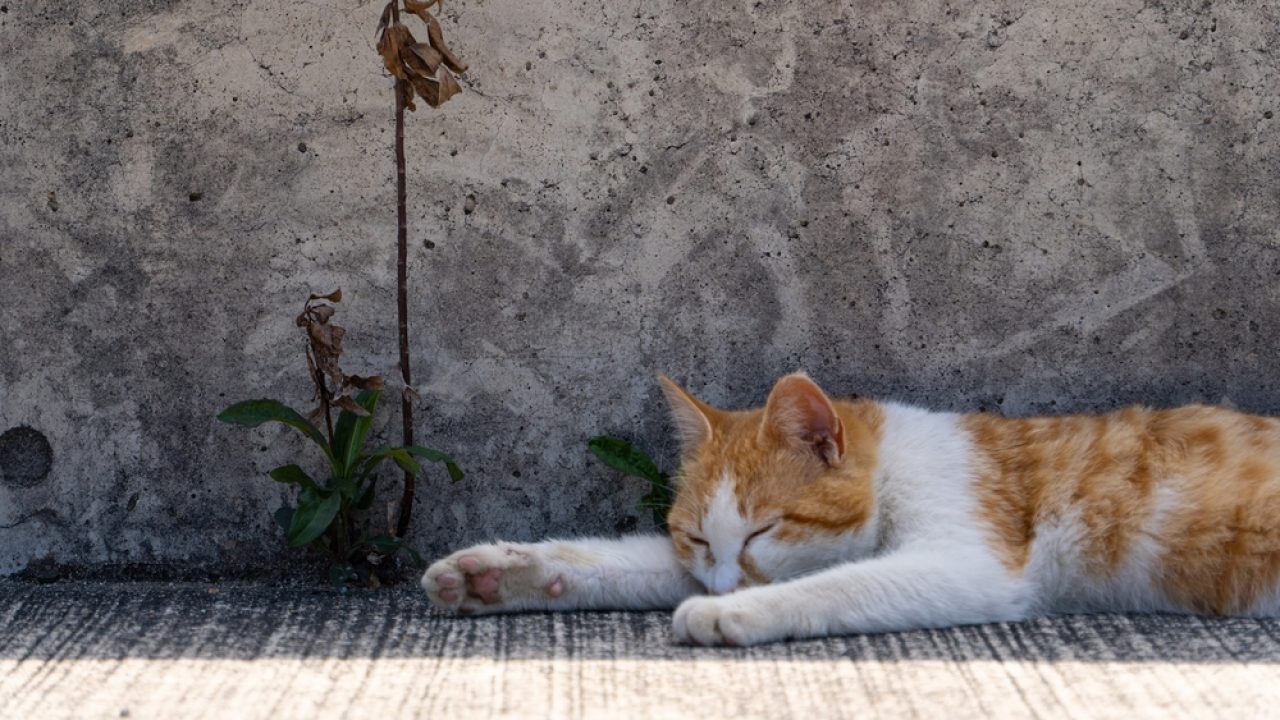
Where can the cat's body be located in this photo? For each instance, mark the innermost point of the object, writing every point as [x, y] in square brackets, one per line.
[810, 517]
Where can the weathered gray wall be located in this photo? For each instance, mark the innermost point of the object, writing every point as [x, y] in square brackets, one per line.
[1033, 206]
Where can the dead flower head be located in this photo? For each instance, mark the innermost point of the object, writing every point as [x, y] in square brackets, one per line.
[424, 67]
[324, 348]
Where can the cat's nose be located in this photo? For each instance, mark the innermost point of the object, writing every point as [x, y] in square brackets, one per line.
[725, 581]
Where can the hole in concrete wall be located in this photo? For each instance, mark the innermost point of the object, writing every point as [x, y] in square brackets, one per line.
[25, 456]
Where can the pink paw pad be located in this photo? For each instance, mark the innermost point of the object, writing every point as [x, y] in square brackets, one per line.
[556, 589]
[485, 585]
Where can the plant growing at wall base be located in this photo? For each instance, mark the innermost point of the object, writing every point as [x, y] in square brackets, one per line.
[423, 69]
[629, 460]
[331, 516]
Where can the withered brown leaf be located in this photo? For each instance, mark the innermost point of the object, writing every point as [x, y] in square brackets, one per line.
[335, 296]
[406, 90]
[360, 382]
[422, 58]
[417, 65]
[326, 340]
[333, 388]
[428, 90]
[346, 403]
[436, 92]
[437, 41]
[382, 23]
[390, 46]
[322, 313]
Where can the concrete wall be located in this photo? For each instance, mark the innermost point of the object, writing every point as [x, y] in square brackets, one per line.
[1036, 207]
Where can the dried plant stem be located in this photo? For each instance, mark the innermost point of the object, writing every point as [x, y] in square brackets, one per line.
[317, 377]
[402, 296]
[424, 69]
[328, 419]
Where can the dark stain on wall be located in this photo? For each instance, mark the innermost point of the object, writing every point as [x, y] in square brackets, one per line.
[25, 457]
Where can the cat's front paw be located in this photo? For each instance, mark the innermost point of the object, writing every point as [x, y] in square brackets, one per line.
[490, 578]
[735, 620]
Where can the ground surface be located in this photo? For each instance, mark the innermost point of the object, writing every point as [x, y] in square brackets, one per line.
[193, 650]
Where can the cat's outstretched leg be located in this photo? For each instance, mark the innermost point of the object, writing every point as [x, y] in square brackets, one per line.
[905, 590]
[639, 572]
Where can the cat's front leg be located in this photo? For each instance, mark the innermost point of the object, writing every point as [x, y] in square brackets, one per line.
[906, 590]
[639, 572]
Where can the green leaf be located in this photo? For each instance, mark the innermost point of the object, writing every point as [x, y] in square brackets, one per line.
[366, 498]
[284, 516]
[399, 455]
[371, 461]
[293, 475]
[308, 501]
[312, 518]
[252, 413]
[385, 544]
[654, 500]
[346, 486]
[352, 430]
[455, 472]
[625, 458]
[658, 501]
[406, 462]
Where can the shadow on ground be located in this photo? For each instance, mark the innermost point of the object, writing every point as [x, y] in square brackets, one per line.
[244, 622]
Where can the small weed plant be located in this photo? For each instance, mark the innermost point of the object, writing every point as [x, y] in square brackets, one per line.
[630, 460]
[331, 516]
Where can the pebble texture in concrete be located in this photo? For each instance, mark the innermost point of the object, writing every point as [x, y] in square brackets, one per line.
[195, 651]
[1023, 207]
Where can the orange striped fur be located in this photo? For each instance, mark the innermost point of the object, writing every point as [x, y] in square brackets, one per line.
[1219, 541]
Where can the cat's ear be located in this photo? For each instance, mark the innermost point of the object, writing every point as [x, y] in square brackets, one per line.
[800, 414]
[694, 419]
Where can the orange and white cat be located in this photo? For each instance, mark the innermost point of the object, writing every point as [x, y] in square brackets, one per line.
[814, 517]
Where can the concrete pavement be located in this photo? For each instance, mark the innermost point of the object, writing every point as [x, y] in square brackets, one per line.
[148, 650]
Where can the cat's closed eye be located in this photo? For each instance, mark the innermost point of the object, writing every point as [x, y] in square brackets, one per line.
[698, 541]
[759, 532]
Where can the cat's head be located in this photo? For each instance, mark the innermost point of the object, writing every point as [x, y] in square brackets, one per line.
[774, 492]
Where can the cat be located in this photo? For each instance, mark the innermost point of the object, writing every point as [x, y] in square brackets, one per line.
[812, 517]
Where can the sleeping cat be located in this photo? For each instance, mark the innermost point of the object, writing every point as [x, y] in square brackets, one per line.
[814, 517]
